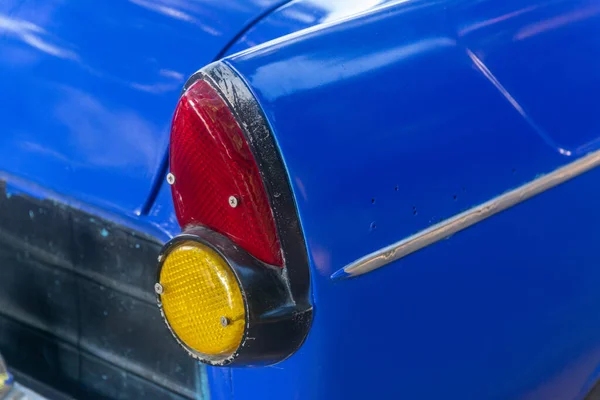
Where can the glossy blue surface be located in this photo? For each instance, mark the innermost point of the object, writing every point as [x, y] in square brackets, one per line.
[88, 88]
[300, 14]
[408, 114]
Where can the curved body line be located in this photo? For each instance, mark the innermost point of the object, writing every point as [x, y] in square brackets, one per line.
[467, 218]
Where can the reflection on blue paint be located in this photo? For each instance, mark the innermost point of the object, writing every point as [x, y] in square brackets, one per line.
[89, 88]
[322, 72]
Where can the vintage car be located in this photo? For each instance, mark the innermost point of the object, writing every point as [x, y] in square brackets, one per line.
[308, 199]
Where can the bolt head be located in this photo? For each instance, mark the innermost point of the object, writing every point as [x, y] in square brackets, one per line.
[170, 178]
[158, 288]
[233, 201]
[224, 321]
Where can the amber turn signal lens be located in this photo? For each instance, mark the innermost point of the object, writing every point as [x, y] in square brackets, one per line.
[201, 300]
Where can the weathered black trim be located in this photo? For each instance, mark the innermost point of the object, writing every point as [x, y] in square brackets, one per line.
[77, 304]
[273, 323]
[247, 112]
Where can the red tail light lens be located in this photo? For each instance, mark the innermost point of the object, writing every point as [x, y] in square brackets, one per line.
[217, 181]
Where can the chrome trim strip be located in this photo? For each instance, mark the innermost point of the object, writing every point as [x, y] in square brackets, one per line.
[467, 218]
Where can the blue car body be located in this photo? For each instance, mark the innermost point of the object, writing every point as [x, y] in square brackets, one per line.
[390, 117]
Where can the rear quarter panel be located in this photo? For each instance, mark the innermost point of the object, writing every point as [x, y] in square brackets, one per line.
[405, 115]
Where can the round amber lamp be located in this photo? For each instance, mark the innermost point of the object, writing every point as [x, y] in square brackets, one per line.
[201, 300]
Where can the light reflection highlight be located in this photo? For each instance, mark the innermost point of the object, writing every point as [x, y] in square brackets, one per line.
[174, 9]
[557, 22]
[94, 129]
[317, 73]
[35, 36]
[513, 102]
[494, 21]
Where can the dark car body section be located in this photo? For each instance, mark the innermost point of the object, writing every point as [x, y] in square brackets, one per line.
[78, 311]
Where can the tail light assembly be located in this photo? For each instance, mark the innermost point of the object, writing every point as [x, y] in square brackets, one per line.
[233, 288]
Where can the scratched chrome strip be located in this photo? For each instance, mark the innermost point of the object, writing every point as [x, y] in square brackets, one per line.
[468, 218]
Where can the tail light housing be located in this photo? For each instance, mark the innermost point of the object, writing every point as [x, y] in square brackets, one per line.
[218, 184]
[239, 270]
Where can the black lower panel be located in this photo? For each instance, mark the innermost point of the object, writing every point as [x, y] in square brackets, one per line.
[63, 365]
[77, 310]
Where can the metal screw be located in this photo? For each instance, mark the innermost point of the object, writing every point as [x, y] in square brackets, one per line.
[233, 201]
[158, 288]
[224, 321]
[170, 178]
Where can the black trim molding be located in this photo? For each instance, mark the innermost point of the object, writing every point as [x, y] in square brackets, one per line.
[77, 305]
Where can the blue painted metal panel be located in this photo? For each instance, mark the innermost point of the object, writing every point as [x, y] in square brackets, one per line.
[412, 113]
[300, 14]
[499, 311]
[88, 87]
[162, 213]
